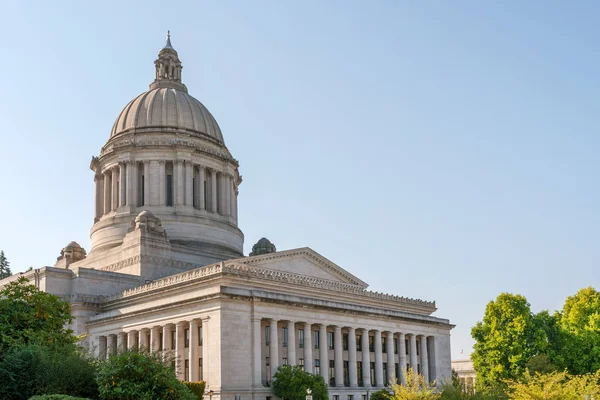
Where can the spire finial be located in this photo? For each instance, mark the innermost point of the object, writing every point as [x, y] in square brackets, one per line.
[168, 35]
[168, 43]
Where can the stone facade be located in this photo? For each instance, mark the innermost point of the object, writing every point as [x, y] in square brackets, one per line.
[166, 270]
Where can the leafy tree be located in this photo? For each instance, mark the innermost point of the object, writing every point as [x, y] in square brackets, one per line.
[416, 388]
[56, 397]
[30, 316]
[379, 395]
[290, 383]
[505, 340]
[138, 375]
[4, 266]
[555, 386]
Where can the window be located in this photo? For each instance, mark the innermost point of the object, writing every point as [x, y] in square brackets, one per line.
[173, 340]
[350, 397]
[142, 192]
[419, 368]
[301, 363]
[346, 374]
[336, 397]
[397, 372]
[359, 373]
[267, 360]
[372, 366]
[186, 370]
[371, 344]
[160, 342]
[358, 342]
[268, 335]
[406, 345]
[383, 342]
[330, 340]
[200, 368]
[331, 373]
[285, 362]
[284, 336]
[316, 339]
[206, 195]
[194, 185]
[301, 338]
[317, 366]
[169, 190]
[364, 397]
[199, 336]
[396, 346]
[187, 338]
[345, 341]
[418, 346]
[385, 378]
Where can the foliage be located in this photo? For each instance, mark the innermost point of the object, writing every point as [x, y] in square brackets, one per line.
[138, 375]
[416, 388]
[4, 266]
[290, 383]
[56, 397]
[197, 388]
[459, 392]
[506, 339]
[541, 364]
[30, 316]
[33, 370]
[379, 395]
[555, 386]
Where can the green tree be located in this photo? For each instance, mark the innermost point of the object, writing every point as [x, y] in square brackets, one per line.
[30, 316]
[4, 266]
[506, 339]
[138, 375]
[416, 388]
[555, 386]
[290, 383]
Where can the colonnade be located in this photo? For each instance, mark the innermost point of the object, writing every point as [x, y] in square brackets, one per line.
[345, 356]
[186, 341]
[165, 183]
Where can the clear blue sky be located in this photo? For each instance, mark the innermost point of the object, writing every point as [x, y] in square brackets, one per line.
[439, 150]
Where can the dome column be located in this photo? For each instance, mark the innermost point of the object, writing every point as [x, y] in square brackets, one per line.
[107, 191]
[201, 190]
[162, 183]
[122, 184]
[189, 184]
[146, 182]
[99, 203]
[179, 183]
[154, 182]
[213, 180]
[131, 183]
[115, 187]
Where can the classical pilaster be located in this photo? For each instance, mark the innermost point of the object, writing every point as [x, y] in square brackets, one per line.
[324, 353]
[115, 187]
[206, 338]
[189, 184]
[413, 353]
[366, 358]
[99, 195]
[274, 347]
[308, 348]
[291, 343]
[338, 356]
[402, 357]
[391, 362]
[424, 358]
[132, 182]
[147, 183]
[179, 183]
[162, 183]
[107, 192]
[102, 347]
[352, 371]
[201, 190]
[378, 359]
[256, 352]
[193, 351]
[179, 343]
[154, 338]
[122, 184]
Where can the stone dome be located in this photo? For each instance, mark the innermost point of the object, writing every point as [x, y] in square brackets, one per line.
[167, 108]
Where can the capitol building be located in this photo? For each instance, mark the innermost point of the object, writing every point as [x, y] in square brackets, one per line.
[166, 270]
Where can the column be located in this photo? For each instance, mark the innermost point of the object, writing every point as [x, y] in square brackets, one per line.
[291, 328]
[143, 339]
[205, 348]
[413, 353]
[131, 335]
[231, 197]
[225, 193]
[107, 192]
[213, 180]
[121, 339]
[200, 186]
[391, 360]
[235, 204]
[166, 342]
[308, 348]
[274, 347]
[179, 357]
[146, 183]
[162, 183]
[115, 187]
[102, 347]
[424, 359]
[378, 359]
[132, 182]
[366, 358]
[112, 345]
[256, 353]
[154, 183]
[338, 356]
[154, 338]
[99, 186]
[193, 350]
[179, 182]
[402, 357]
[433, 365]
[324, 353]
[352, 357]
[189, 184]
[122, 184]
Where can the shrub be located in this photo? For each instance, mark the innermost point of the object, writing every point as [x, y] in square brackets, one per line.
[138, 375]
[56, 397]
[379, 395]
[197, 388]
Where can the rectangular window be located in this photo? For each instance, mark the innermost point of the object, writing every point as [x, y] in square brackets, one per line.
[406, 345]
[199, 336]
[142, 193]
[301, 363]
[173, 340]
[350, 397]
[358, 342]
[285, 362]
[330, 340]
[200, 369]
[346, 374]
[187, 338]
[267, 360]
[160, 343]
[418, 346]
[372, 367]
[385, 378]
[359, 373]
[371, 344]
[396, 346]
[194, 197]
[284, 336]
[345, 341]
[397, 371]
[301, 338]
[206, 204]
[336, 397]
[331, 373]
[268, 335]
[383, 342]
[317, 366]
[169, 190]
[186, 370]
[316, 339]
[364, 397]
[419, 368]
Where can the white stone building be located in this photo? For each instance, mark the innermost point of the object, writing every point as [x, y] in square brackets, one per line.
[166, 269]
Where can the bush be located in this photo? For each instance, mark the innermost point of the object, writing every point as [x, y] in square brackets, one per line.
[197, 388]
[290, 383]
[138, 375]
[56, 397]
[31, 370]
[379, 395]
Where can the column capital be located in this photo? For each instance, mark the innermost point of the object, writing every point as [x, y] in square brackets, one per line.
[193, 321]
[205, 319]
[337, 328]
[162, 161]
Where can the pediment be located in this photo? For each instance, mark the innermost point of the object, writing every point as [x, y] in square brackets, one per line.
[303, 261]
